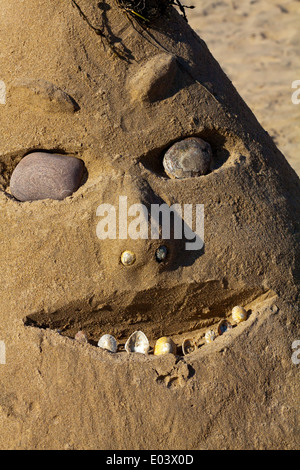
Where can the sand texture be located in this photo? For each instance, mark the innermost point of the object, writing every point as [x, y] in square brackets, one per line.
[98, 86]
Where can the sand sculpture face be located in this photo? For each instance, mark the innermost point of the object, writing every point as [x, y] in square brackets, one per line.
[85, 80]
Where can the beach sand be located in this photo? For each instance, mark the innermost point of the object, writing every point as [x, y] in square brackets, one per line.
[257, 44]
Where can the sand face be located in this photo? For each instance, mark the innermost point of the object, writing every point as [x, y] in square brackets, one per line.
[57, 274]
[257, 44]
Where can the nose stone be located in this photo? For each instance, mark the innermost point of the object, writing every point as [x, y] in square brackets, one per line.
[128, 258]
[44, 175]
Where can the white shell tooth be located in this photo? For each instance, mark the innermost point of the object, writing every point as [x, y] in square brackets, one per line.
[137, 342]
[108, 342]
[210, 336]
[239, 314]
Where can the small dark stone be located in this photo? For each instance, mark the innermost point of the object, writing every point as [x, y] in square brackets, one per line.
[223, 326]
[161, 254]
[44, 175]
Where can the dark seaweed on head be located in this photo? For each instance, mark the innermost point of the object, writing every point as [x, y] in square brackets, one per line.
[149, 10]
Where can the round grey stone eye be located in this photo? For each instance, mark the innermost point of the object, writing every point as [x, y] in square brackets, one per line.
[187, 158]
[161, 254]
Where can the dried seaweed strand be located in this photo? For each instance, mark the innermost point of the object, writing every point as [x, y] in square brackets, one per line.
[154, 42]
[147, 10]
[100, 33]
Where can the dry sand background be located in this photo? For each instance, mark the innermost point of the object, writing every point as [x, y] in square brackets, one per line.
[257, 43]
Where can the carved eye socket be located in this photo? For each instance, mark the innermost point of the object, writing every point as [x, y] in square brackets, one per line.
[43, 175]
[161, 254]
[187, 158]
[191, 156]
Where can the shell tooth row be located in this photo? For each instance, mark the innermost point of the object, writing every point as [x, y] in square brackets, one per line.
[239, 314]
[139, 343]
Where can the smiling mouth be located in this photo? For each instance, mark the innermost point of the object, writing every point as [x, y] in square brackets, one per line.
[179, 312]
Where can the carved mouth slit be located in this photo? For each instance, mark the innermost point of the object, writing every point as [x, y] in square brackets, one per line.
[157, 312]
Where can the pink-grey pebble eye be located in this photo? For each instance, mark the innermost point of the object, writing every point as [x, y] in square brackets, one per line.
[43, 175]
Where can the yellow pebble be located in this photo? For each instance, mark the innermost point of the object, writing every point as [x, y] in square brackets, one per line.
[165, 345]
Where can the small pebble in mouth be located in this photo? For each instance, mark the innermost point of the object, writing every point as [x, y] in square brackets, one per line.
[81, 337]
